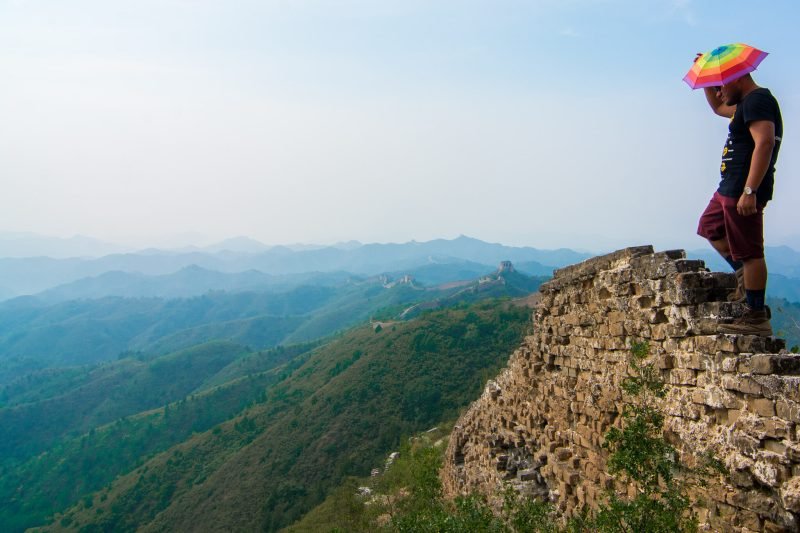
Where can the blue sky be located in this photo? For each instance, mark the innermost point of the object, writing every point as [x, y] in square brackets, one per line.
[543, 123]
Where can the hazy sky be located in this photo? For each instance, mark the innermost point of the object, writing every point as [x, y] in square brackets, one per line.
[544, 122]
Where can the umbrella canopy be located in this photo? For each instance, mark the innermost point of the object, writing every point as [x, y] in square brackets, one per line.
[723, 65]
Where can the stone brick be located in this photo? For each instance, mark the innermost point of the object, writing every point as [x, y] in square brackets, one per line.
[741, 384]
[754, 344]
[699, 396]
[665, 361]
[748, 520]
[761, 406]
[682, 376]
[730, 364]
[773, 527]
[761, 364]
[782, 364]
[777, 429]
[774, 446]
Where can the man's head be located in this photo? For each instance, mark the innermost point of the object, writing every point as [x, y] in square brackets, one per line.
[733, 92]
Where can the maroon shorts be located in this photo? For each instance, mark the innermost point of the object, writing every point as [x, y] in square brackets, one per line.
[745, 234]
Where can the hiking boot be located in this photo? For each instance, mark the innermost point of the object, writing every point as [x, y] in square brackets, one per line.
[739, 295]
[752, 322]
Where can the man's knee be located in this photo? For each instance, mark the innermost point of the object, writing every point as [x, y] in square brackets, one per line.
[755, 262]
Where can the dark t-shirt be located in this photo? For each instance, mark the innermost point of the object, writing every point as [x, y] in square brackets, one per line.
[738, 151]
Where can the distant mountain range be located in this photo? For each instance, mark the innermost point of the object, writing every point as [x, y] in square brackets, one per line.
[188, 281]
[31, 245]
[24, 276]
[242, 263]
[80, 323]
[23, 244]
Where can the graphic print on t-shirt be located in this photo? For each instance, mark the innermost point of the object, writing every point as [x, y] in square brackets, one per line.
[725, 151]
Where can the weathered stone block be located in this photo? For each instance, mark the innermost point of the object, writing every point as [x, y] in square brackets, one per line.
[776, 428]
[711, 344]
[790, 494]
[699, 396]
[682, 376]
[761, 406]
[774, 446]
[748, 521]
[742, 479]
[788, 410]
[730, 364]
[767, 473]
[783, 364]
[773, 527]
[616, 329]
[741, 383]
[755, 344]
[665, 361]
[694, 361]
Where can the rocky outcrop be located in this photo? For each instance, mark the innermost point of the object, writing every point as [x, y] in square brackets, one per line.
[540, 424]
[505, 266]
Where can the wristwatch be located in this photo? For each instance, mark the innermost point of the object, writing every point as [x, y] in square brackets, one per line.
[748, 191]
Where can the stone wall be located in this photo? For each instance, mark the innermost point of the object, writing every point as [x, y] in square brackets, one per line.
[540, 424]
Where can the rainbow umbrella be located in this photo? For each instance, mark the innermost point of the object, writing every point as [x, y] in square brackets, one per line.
[723, 65]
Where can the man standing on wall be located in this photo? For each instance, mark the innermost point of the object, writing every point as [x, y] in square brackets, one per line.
[733, 220]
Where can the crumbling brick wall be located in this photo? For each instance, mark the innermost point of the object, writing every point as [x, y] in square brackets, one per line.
[540, 424]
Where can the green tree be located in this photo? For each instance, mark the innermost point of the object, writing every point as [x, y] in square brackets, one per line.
[641, 457]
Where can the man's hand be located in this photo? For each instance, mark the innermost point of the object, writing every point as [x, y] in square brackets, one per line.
[746, 205]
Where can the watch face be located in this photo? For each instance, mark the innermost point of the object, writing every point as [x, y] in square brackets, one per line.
[748, 190]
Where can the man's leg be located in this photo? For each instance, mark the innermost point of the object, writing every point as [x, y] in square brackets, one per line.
[755, 274]
[756, 317]
[712, 227]
[755, 281]
[724, 249]
[746, 241]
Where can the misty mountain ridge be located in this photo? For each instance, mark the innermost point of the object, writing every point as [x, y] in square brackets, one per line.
[60, 329]
[24, 276]
[194, 281]
[27, 276]
[23, 244]
[189, 281]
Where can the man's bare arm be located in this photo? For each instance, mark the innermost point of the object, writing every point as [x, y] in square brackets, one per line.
[763, 132]
[717, 105]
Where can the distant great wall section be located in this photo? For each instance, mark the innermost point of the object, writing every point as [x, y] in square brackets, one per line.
[540, 424]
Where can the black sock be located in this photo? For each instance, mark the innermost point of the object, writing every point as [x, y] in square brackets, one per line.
[735, 265]
[755, 299]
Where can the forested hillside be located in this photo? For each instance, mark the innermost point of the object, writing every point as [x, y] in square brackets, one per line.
[87, 331]
[786, 320]
[332, 416]
[34, 488]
